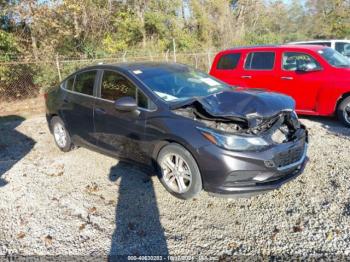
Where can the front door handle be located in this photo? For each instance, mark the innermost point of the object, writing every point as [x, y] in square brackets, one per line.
[287, 78]
[100, 111]
[246, 77]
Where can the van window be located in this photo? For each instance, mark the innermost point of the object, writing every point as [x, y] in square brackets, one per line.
[84, 82]
[228, 62]
[260, 61]
[343, 48]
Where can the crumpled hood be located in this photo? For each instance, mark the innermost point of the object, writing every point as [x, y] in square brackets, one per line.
[248, 104]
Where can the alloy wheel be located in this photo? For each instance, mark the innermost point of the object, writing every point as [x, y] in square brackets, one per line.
[60, 135]
[346, 113]
[176, 173]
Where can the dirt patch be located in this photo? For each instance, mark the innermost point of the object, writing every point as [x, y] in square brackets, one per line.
[25, 108]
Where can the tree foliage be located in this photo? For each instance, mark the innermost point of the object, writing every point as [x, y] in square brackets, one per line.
[100, 27]
[40, 30]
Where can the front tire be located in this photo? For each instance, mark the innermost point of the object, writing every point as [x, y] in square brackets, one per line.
[343, 111]
[60, 134]
[179, 172]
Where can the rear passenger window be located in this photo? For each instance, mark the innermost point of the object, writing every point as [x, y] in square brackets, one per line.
[228, 62]
[70, 83]
[84, 82]
[260, 61]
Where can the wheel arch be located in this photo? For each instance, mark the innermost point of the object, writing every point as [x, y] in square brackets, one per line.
[340, 99]
[161, 144]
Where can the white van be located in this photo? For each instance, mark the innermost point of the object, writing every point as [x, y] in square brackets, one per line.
[342, 46]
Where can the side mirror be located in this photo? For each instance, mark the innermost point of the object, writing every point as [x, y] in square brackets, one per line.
[126, 104]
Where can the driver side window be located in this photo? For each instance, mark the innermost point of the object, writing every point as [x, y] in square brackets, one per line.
[115, 86]
[291, 61]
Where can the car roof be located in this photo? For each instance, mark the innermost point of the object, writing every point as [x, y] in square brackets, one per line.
[275, 47]
[130, 66]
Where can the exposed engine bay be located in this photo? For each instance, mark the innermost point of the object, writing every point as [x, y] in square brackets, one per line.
[279, 128]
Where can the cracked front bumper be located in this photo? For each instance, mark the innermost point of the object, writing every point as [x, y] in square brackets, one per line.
[241, 174]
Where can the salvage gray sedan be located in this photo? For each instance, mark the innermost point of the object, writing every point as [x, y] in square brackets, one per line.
[193, 130]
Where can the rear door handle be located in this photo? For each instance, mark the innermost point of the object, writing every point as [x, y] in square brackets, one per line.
[246, 77]
[100, 111]
[287, 78]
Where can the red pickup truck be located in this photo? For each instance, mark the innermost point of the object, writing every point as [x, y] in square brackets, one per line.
[317, 77]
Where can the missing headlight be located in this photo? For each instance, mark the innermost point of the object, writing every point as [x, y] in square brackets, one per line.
[279, 137]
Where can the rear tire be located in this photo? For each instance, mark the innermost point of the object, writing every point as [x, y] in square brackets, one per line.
[60, 134]
[179, 172]
[343, 111]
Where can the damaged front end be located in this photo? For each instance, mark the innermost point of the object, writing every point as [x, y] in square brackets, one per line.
[243, 120]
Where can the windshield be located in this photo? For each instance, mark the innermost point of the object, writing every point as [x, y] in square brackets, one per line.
[334, 58]
[174, 83]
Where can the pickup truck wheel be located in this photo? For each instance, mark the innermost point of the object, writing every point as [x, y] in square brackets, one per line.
[343, 111]
[60, 134]
[179, 172]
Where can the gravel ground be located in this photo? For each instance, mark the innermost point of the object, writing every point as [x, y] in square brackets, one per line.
[85, 203]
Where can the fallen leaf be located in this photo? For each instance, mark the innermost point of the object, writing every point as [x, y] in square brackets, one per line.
[21, 235]
[82, 227]
[92, 188]
[48, 240]
[297, 229]
[56, 174]
[111, 202]
[274, 233]
[232, 245]
[92, 210]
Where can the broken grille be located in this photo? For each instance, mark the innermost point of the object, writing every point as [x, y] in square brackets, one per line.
[287, 158]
